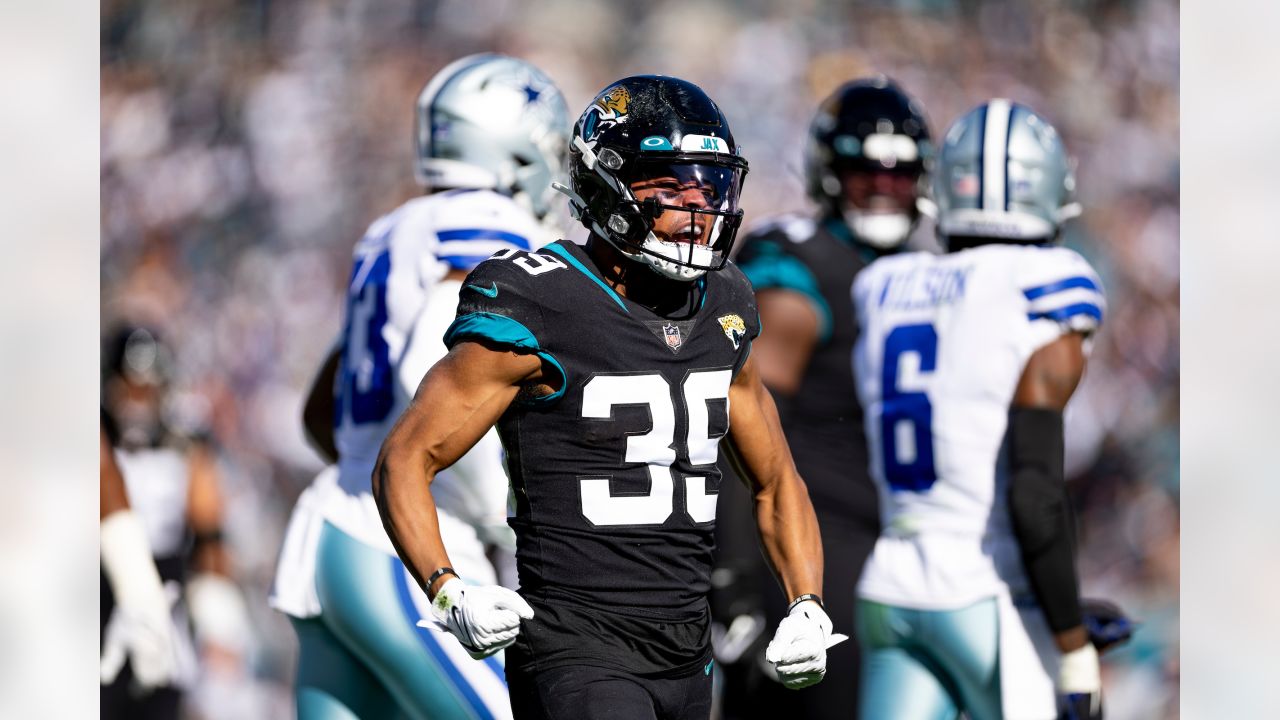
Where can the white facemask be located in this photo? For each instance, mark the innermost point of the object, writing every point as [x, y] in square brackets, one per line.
[679, 252]
[879, 230]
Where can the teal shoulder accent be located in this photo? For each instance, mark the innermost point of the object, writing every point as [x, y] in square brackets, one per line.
[841, 232]
[503, 330]
[771, 268]
[583, 269]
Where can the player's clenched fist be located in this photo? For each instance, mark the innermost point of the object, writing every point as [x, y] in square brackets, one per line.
[799, 647]
[484, 618]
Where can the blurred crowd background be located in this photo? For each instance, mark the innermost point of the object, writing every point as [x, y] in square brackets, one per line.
[246, 144]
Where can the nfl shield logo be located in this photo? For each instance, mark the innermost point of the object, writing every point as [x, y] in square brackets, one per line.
[671, 334]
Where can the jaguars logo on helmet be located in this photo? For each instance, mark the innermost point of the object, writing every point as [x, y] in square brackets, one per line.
[647, 127]
[609, 108]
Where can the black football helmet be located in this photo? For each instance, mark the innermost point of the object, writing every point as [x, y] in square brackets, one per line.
[651, 127]
[869, 125]
[137, 370]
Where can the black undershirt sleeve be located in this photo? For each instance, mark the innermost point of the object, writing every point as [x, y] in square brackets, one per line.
[1041, 515]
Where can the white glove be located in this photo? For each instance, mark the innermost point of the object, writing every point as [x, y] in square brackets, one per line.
[141, 627]
[484, 618]
[799, 647]
[1080, 684]
[219, 613]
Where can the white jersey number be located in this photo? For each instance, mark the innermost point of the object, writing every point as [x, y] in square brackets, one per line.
[657, 447]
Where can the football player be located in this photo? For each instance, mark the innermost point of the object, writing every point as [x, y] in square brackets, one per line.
[613, 372]
[492, 132]
[970, 601]
[174, 491]
[866, 161]
[145, 632]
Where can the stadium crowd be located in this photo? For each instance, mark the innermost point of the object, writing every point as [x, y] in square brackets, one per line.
[247, 143]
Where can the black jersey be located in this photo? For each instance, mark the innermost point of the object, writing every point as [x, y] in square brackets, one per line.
[823, 420]
[614, 474]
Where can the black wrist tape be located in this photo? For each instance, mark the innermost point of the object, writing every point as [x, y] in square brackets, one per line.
[802, 598]
[446, 570]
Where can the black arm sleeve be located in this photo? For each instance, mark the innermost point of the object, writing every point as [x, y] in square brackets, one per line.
[1041, 513]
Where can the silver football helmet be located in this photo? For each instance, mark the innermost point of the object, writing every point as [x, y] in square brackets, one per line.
[1003, 175]
[492, 121]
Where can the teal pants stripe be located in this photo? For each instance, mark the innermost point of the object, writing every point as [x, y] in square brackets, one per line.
[929, 664]
[363, 657]
[333, 684]
[432, 646]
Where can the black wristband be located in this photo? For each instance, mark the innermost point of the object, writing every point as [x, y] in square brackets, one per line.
[446, 570]
[802, 598]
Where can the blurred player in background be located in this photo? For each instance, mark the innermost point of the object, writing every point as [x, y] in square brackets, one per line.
[970, 601]
[491, 136]
[866, 165]
[144, 631]
[173, 489]
[613, 372]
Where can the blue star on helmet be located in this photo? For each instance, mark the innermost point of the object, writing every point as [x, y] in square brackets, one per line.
[531, 94]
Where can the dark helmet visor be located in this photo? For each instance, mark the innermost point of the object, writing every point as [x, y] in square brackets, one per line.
[683, 184]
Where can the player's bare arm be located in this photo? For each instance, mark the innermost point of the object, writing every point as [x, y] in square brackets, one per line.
[144, 633]
[459, 399]
[317, 412]
[1047, 383]
[205, 513]
[788, 529]
[111, 493]
[784, 515]
[791, 332]
[1052, 374]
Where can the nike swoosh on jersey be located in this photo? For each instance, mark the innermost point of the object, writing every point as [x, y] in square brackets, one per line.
[491, 291]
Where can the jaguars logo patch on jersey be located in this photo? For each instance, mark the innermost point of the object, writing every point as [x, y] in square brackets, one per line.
[734, 328]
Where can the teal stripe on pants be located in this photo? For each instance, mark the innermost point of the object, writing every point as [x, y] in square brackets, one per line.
[930, 664]
[362, 657]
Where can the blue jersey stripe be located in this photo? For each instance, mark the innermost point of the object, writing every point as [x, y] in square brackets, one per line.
[464, 262]
[1072, 282]
[582, 268]
[1063, 313]
[442, 659]
[484, 234]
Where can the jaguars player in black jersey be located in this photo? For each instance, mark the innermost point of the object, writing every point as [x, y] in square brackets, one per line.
[614, 372]
[866, 159]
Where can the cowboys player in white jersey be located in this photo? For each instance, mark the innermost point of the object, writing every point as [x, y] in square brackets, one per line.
[491, 136]
[970, 601]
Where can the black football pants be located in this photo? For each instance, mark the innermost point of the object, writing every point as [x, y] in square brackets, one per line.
[592, 692]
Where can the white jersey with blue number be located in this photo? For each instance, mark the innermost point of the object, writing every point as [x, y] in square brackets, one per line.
[944, 340]
[398, 308]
